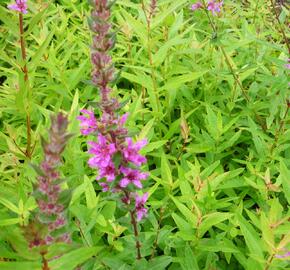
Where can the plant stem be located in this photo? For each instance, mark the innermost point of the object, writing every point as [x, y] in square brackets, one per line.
[286, 40]
[22, 42]
[28, 151]
[269, 261]
[44, 262]
[136, 233]
[234, 74]
[149, 49]
[135, 227]
[209, 17]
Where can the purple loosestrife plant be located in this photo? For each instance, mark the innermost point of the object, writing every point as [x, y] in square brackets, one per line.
[50, 219]
[114, 154]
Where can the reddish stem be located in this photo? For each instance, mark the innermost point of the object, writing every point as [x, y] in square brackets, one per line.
[286, 40]
[22, 43]
[135, 227]
[28, 151]
[134, 223]
[44, 262]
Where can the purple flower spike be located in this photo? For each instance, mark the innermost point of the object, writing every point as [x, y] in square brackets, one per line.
[88, 122]
[214, 6]
[114, 154]
[43, 229]
[131, 154]
[196, 6]
[20, 5]
[139, 205]
[132, 176]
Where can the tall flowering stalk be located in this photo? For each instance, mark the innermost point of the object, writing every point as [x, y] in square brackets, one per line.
[149, 14]
[21, 7]
[49, 225]
[114, 154]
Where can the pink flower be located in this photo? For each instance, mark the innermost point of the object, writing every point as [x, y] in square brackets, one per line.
[20, 5]
[102, 151]
[88, 123]
[196, 6]
[108, 172]
[140, 201]
[130, 152]
[132, 176]
[214, 6]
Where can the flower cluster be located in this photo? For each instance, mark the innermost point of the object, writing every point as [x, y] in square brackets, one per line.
[114, 154]
[20, 5]
[213, 5]
[116, 157]
[48, 193]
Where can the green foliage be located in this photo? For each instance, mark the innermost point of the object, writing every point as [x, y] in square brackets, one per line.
[219, 199]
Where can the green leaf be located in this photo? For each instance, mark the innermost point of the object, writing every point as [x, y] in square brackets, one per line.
[136, 25]
[146, 129]
[34, 21]
[285, 175]
[189, 262]
[76, 75]
[199, 148]
[65, 197]
[177, 81]
[166, 171]
[212, 219]
[20, 265]
[10, 23]
[167, 11]
[181, 223]
[9, 221]
[188, 214]
[9, 205]
[268, 234]
[74, 258]
[91, 198]
[36, 57]
[159, 263]
[160, 56]
[152, 146]
[252, 238]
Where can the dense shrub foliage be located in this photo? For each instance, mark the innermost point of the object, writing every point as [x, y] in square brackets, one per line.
[177, 158]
